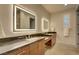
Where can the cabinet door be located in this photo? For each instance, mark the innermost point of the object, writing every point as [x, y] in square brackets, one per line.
[37, 48]
[53, 39]
[24, 50]
[34, 48]
[41, 47]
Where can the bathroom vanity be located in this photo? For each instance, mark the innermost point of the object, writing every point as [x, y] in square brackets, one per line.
[33, 46]
[22, 45]
[50, 38]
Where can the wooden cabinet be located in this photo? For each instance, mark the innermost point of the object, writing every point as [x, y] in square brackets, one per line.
[53, 39]
[19, 51]
[50, 41]
[41, 48]
[35, 48]
[38, 48]
[24, 50]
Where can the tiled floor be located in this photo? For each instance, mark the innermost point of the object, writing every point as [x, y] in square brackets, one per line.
[62, 49]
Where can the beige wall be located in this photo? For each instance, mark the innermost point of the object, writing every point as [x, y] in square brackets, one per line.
[7, 20]
[58, 22]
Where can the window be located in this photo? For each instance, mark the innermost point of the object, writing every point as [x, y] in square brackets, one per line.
[66, 21]
[66, 25]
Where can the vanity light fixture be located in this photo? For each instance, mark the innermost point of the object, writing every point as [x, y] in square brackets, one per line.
[24, 20]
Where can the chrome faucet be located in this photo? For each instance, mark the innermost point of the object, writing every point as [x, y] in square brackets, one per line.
[28, 36]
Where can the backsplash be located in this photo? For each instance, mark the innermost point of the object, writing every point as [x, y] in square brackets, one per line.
[12, 38]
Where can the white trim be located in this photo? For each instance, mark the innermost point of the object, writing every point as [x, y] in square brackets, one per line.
[28, 11]
[44, 19]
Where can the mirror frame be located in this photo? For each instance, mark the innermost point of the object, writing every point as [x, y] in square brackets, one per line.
[28, 11]
[44, 19]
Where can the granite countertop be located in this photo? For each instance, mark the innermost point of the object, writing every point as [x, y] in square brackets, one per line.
[17, 43]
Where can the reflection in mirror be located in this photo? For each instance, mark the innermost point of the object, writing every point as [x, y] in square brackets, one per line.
[45, 25]
[24, 19]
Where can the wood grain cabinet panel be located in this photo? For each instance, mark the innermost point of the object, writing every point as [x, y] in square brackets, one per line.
[35, 48]
[50, 42]
[13, 52]
[24, 50]
[53, 39]
[20, 51]
[41, 47]
[38, 48]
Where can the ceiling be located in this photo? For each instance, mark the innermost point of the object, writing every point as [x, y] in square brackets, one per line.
[53, 8]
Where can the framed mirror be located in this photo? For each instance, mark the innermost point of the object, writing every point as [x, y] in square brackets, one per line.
[45, 25]
[24, 19]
